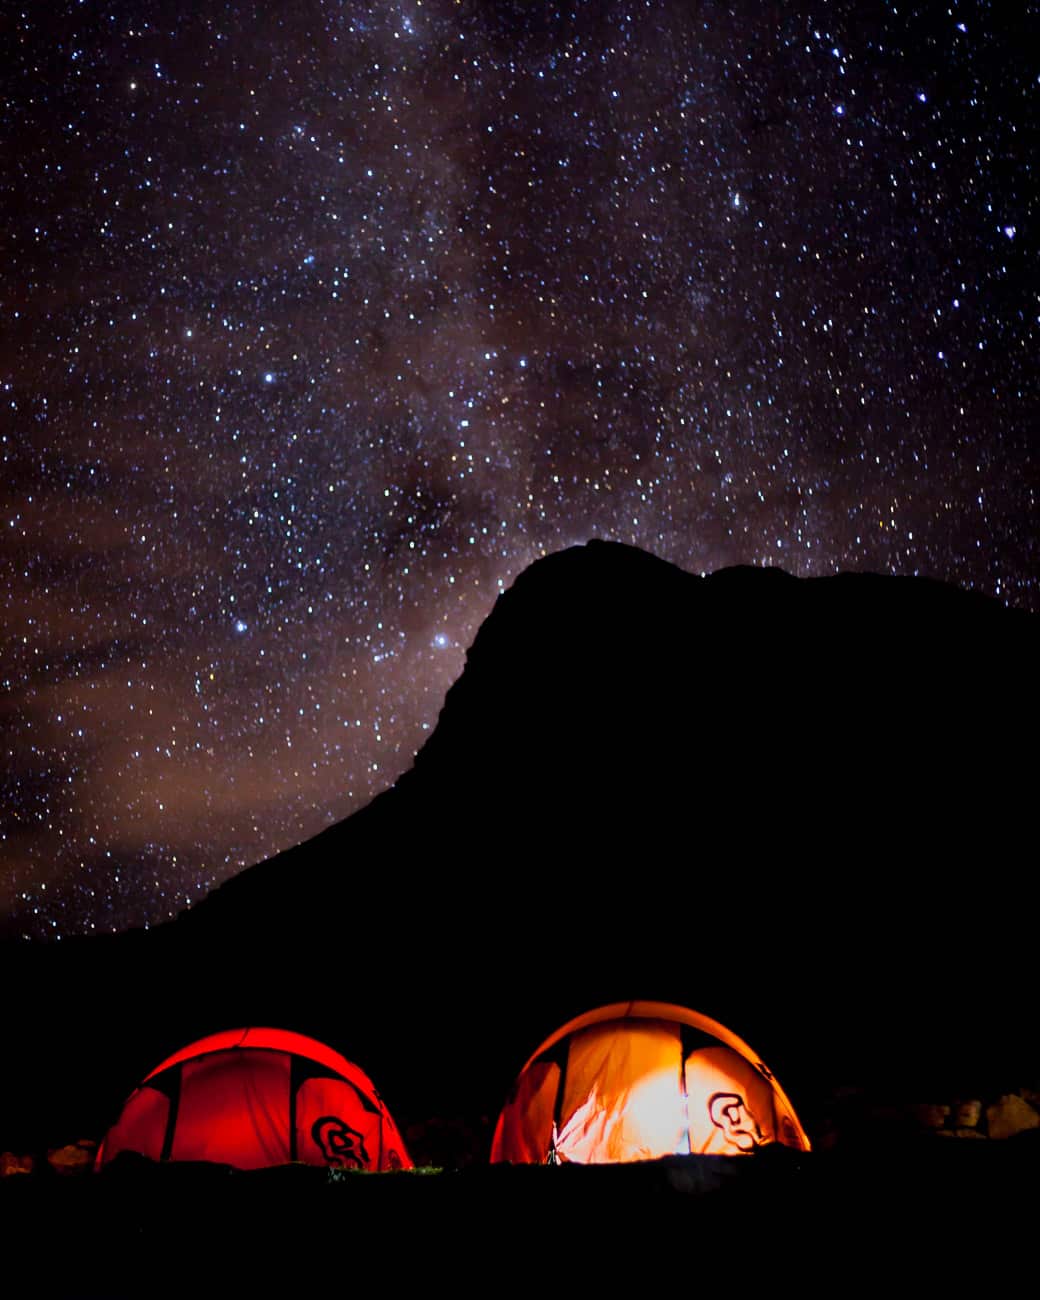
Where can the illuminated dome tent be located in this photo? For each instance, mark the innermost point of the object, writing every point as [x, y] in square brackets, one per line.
[257, 1097]
[640, 1080]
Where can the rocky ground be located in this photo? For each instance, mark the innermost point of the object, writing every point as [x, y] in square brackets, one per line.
[943, 1192]
[921, 1214]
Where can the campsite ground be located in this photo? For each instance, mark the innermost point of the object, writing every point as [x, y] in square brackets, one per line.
[930, 1212]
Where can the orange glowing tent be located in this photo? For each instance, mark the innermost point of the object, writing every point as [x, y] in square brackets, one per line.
[640, 1080]
[251, 1098]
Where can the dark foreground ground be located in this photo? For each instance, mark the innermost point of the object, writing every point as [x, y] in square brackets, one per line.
[950, 1214]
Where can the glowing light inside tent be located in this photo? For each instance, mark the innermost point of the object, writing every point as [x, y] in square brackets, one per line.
[641, 1080]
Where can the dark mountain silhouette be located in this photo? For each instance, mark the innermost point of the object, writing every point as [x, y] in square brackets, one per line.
[802, 806]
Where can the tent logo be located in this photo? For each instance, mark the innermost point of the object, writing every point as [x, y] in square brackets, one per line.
[729, 1112]
[340, 1145]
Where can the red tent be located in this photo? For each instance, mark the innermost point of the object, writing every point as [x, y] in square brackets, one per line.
[640, 1080]
[257, 1097]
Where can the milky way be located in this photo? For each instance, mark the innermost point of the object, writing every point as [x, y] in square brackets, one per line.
[322, 321]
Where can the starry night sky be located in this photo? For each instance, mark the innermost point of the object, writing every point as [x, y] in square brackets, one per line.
[322, 321]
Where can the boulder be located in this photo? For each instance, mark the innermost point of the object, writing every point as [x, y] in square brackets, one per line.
[12, 1164]
[76, 1158]
[930, 1114]
[1009, 1115]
